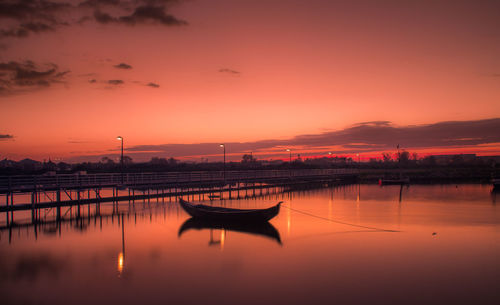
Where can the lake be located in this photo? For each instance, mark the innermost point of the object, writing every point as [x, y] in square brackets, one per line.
[355, 244]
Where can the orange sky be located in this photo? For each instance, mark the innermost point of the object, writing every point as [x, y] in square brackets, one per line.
[246, 71]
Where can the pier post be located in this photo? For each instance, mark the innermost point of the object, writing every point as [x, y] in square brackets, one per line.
[78, 199]
[58, 209]
[7, 204]
[33, 211]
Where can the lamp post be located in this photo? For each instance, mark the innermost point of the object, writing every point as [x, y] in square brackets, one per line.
[290, 163]
[120, 138]
[224, 164]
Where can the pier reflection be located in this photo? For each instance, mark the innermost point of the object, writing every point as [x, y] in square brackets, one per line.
[265, 229]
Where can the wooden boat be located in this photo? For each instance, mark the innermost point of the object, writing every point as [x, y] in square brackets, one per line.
[397, 181]
[262, 228]
[201, 211]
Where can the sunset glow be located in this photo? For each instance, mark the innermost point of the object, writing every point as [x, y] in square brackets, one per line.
[245, 72]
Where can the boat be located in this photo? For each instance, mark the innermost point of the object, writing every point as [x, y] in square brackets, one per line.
[263, 228]
[201, 211]
[496, 183]
[396, 181]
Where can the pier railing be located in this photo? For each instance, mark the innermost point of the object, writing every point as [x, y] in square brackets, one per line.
[67, 181]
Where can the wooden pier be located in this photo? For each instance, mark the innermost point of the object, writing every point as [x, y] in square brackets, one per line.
[32, 193]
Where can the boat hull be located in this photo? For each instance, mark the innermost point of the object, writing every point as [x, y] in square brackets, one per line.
[394, 181]
[200, 211]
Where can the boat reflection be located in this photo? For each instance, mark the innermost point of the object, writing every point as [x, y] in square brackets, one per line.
[264, 229]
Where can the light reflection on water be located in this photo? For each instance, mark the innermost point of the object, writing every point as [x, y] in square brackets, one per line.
[358, 244]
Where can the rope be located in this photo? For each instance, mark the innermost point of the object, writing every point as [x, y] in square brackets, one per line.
[338, 221]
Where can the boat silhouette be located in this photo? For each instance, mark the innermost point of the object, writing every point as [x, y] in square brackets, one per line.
[227, 214]
[264, 229]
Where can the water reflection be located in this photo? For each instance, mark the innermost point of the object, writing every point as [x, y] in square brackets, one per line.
[120, 262]
[338, 248]
[265, 229]
[121, 255]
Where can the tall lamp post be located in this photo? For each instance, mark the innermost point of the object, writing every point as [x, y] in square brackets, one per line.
[224, 164]
[290, 163]
[120, 138]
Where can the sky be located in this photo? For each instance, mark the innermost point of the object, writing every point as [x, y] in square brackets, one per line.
[176, 78]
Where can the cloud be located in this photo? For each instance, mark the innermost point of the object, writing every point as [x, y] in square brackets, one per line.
[31, 9]
[24, 76]
[230, 71]
[32, 16]
[146, 14]
[27, 17]
[154, 14]
[123, 66]
[153, 85]
[363, 137]
[24, 29]
[6, 137]
[99, 3]
[115, 82]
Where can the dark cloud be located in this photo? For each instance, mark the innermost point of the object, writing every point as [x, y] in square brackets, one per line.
[31, 9]
[230, 71]
[99, 3]
[18, 77]
[103, 17]
[38, 16]
[153, 14]
[24, 29]
[362, 137]
[123, 66]
[153, 85]
[93, 81]
[6, 137]
[115, 82]
[32, 16]
[142, 15]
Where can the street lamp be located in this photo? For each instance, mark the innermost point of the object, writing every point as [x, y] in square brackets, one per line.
[290, 151]
[120, 138]
[224, 164]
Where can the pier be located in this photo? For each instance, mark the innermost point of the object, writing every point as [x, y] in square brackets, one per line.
[32, 193]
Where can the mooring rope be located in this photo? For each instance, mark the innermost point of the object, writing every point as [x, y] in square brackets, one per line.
[338, 221]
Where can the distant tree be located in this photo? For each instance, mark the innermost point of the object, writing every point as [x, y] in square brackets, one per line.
[127, 160]
[172, 161]
[158, 161]
[248, 158]
[404, 156]
[429, 161]
[386, 157]
[107, 160]
[414, 156]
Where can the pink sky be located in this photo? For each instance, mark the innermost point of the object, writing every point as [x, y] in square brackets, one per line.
[247, 71]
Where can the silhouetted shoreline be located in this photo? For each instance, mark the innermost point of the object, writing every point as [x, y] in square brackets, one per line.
[431, 169]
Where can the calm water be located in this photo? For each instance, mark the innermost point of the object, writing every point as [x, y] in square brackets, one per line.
[346, 245]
